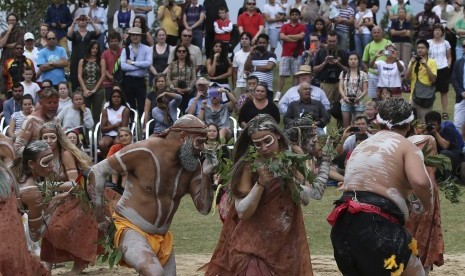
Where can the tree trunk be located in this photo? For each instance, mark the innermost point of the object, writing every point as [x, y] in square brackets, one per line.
[113, 6]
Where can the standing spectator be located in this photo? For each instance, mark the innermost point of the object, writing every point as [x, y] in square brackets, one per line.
[440, 51]
[400, 35]
[240, 57]
[110, 56]
[31, 52]
[98, 18]
[140, 22]
[259, 105]
[219, 67]
[161, 53]
[274, 16]
[261, 63]
[292, 34]
[363, 23]
[193, 18]
[123, 18]
[371, 50]
[194, 51]
[13, 104]
[458, 82]
[211, 15]
[181, 74]
[217, 112]
[422, 71]
[53, 60]
[91, 73]
[41, 42]
[353, 86]
[292, 94]
[135, 69]
[140, 7]
[343, 23]
[13, 67]
[443, 9]
[80, 41]
[321, 30]
[393, 11]
[58, 18]
[18, 117]
[8, 39]
[425, 20]
[390, 70]
[76, 115]
[251, 21]
[306, 105]
[29, 86]
[64, 97]
[373, 5]
[460, 30]
[168, 15]
[329, 63]
[451, 36]
[223, 26]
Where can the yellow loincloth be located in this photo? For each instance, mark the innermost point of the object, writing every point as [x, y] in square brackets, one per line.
[162, 245]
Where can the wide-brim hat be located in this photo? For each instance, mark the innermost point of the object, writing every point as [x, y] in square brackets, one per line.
[135, 31]
[304, 69]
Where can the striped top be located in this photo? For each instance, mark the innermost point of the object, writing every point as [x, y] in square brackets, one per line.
[266, 77]
[344, 13]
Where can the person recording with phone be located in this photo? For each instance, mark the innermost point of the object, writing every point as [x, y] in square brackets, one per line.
[348, 139]
[168, 14]
[218, 110]
[195, 104]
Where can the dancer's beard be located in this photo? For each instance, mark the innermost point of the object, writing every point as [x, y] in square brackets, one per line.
[187, 157]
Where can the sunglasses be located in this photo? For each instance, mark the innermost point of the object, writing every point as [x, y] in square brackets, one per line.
[253, 4]
[182, 51]
[187, 35]
[51, 38]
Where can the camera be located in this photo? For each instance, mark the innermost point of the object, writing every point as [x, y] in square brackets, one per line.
[213, 92]
[429, 127]
[386, 52]
[417, 58]
[351, 99]
[354, 129]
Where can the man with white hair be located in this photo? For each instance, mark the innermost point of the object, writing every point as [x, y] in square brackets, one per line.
[305, 74]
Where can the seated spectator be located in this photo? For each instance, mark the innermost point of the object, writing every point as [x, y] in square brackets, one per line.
[29, 86]
[219, 66]
[400, 35]
[353, 86]
[305, 74]
[13, 104]
[259, 105]
[446, 138]
[65, 99]
[125, 138]
[77, 115]
[306, 105]
[251, 82]
[386, 93]
[18, 117]
[218, 112]
[348, 142]
[194, 105]
[114, 116]
[73, 137]
[150, 101]
[390, 70]
[165, 112]
[371, 111]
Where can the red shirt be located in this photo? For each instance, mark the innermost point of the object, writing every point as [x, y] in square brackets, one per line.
[110, 60]
[288, 47]
[250, 23]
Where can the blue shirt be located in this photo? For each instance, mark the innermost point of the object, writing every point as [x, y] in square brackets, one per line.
[159, 116]
[9, 107]
[464, 74]
[58, 15]
[142, 61]
[56, 75]
[140, 3]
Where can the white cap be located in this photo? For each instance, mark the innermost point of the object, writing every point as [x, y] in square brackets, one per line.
[28, 36]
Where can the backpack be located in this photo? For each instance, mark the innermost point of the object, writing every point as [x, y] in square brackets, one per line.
[460, 141]
[118, 73]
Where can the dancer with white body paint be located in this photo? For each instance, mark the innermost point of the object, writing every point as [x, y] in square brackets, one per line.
[384, 174]
[160, 171]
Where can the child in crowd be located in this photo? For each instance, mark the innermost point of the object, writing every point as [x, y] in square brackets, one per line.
[385, 93]
[223, 27]
[18, 117]
[65, 99]
[371, 111]
[30, 87]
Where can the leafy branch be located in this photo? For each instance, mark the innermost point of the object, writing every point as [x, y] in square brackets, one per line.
[111, 253]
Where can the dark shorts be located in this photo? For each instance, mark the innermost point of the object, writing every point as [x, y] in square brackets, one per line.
[443, 80]
[370, 244]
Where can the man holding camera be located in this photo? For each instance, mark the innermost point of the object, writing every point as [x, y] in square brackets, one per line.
[389, 70]
[195, 104]
[446, 138]
[329, 63]
[348, 139]
[168, 14]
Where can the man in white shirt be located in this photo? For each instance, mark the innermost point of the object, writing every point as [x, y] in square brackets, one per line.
[305, 75]
[274, 17]
[238, 78]
[31, 52]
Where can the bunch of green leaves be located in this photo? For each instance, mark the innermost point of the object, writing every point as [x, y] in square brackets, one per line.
[48, 189]
[283, 165]
[334, 135]
[111, 253]
[450, 185]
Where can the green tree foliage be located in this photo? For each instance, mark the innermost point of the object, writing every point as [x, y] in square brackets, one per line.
[31, 13]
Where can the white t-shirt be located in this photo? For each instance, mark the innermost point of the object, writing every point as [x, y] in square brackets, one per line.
[438, 52]
[449, 10]
[238, 62]
[366, 14]
[32, 90]
[389, 75]
[272, 11]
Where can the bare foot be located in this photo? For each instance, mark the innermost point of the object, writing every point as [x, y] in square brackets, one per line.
[78, 267]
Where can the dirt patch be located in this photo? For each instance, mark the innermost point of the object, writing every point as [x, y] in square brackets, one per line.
[323, 265]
